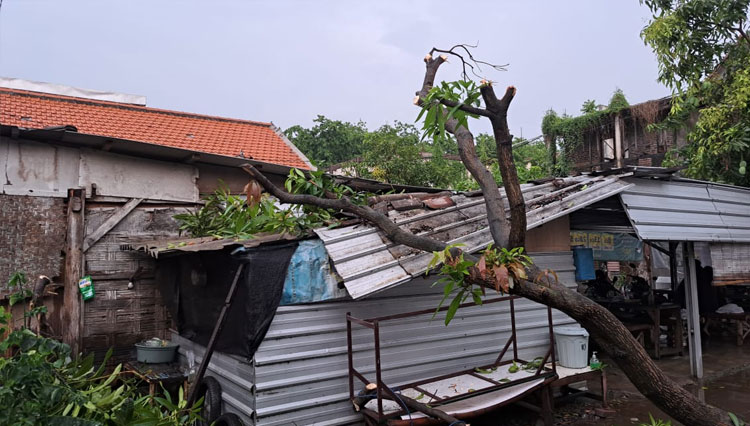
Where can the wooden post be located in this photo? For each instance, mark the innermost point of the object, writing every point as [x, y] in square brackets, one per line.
[691, 296]
[73, 270]
[618, 142]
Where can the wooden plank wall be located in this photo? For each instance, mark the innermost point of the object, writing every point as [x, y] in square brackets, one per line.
[119, 317]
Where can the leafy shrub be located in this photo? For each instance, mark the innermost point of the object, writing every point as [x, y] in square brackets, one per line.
[42, 384]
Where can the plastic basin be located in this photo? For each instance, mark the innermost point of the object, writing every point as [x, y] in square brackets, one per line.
[151, 354]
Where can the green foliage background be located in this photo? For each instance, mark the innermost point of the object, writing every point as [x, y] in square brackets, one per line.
[399, 153]
[703, 50]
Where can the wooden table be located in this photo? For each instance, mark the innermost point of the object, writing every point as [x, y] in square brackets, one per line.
[566, 376]
[663, 314]
[741, 320]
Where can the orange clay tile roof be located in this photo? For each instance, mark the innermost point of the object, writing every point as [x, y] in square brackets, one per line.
[203, 133]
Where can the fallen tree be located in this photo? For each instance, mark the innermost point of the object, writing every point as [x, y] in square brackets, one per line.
[446, 111]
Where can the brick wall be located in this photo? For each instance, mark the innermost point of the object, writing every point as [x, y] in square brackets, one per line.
[32, 236]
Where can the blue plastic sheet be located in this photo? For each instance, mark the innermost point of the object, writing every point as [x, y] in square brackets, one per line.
[309, 277]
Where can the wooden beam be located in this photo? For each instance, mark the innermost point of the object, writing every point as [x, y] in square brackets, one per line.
[110, 223]
[656, 247]
[73, 269]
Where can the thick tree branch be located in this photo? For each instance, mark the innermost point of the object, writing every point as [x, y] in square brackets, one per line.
[345, 204]
[504, 147]
[466, 150]
[467, 108]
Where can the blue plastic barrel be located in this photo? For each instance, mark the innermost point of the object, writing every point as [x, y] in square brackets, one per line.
[583, 259]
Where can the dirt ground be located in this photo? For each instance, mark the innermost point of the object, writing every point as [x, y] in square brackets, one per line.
[726, 385]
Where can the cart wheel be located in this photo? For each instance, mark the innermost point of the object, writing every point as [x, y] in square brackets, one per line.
[229, 419]
[210, 390]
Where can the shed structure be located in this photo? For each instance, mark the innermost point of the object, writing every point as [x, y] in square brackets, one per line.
[682, 211]
[299, 374]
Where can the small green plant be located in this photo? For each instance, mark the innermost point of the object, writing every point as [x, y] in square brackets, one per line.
[736, 421]
[20, 291]
[42, 384]
[656, 422]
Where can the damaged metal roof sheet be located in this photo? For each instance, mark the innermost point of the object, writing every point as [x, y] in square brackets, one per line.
[163, 247]
[688, 210]
[368, 262]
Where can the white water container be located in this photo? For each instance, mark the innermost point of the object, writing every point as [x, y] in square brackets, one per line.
[572, 346]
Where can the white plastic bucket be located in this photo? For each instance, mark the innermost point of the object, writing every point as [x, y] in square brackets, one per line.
[572, 346]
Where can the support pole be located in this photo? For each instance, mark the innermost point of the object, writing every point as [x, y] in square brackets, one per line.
[673, 266]
[618, 142]
[691, 296]
[215, 336]
[73, 270]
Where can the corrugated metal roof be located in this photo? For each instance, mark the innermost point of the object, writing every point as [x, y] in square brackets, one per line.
[682, 210]
[368, 262]
[163, 247]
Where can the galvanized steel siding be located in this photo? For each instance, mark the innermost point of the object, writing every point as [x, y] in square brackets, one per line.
[688, 211]
[235, 376]
[301, 366]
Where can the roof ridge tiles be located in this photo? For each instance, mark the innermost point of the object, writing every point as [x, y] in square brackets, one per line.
[132, 107]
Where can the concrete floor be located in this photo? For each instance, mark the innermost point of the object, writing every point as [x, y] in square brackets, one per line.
[726, 385]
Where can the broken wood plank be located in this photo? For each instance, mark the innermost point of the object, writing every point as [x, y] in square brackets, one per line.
[111, 222]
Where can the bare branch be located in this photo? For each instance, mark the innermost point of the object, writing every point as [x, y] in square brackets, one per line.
[471, 63]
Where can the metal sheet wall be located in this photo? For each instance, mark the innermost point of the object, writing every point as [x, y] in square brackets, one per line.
[235, 376]
[301, 367]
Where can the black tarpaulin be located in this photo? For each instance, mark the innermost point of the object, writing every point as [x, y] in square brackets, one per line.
[194, 287]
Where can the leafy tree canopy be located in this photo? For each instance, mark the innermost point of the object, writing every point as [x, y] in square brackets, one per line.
[328, 141]
[703, 51]
[399, 153]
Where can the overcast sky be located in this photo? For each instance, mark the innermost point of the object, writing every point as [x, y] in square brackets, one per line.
[288, 61]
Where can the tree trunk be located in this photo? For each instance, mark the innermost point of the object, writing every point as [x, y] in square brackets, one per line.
[620, 344]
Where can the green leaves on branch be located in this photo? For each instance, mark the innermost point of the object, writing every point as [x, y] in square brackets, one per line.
[225, 215]
[460, 277]
[462, 92]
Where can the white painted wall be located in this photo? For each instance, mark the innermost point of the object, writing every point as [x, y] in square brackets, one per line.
[46, 170]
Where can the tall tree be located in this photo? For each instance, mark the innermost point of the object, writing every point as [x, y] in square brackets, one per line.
[329, 141]
[703, 50]
[396, 154]
[446, 108]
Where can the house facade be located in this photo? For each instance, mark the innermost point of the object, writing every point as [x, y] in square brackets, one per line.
[625, 139]
[84, 172]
